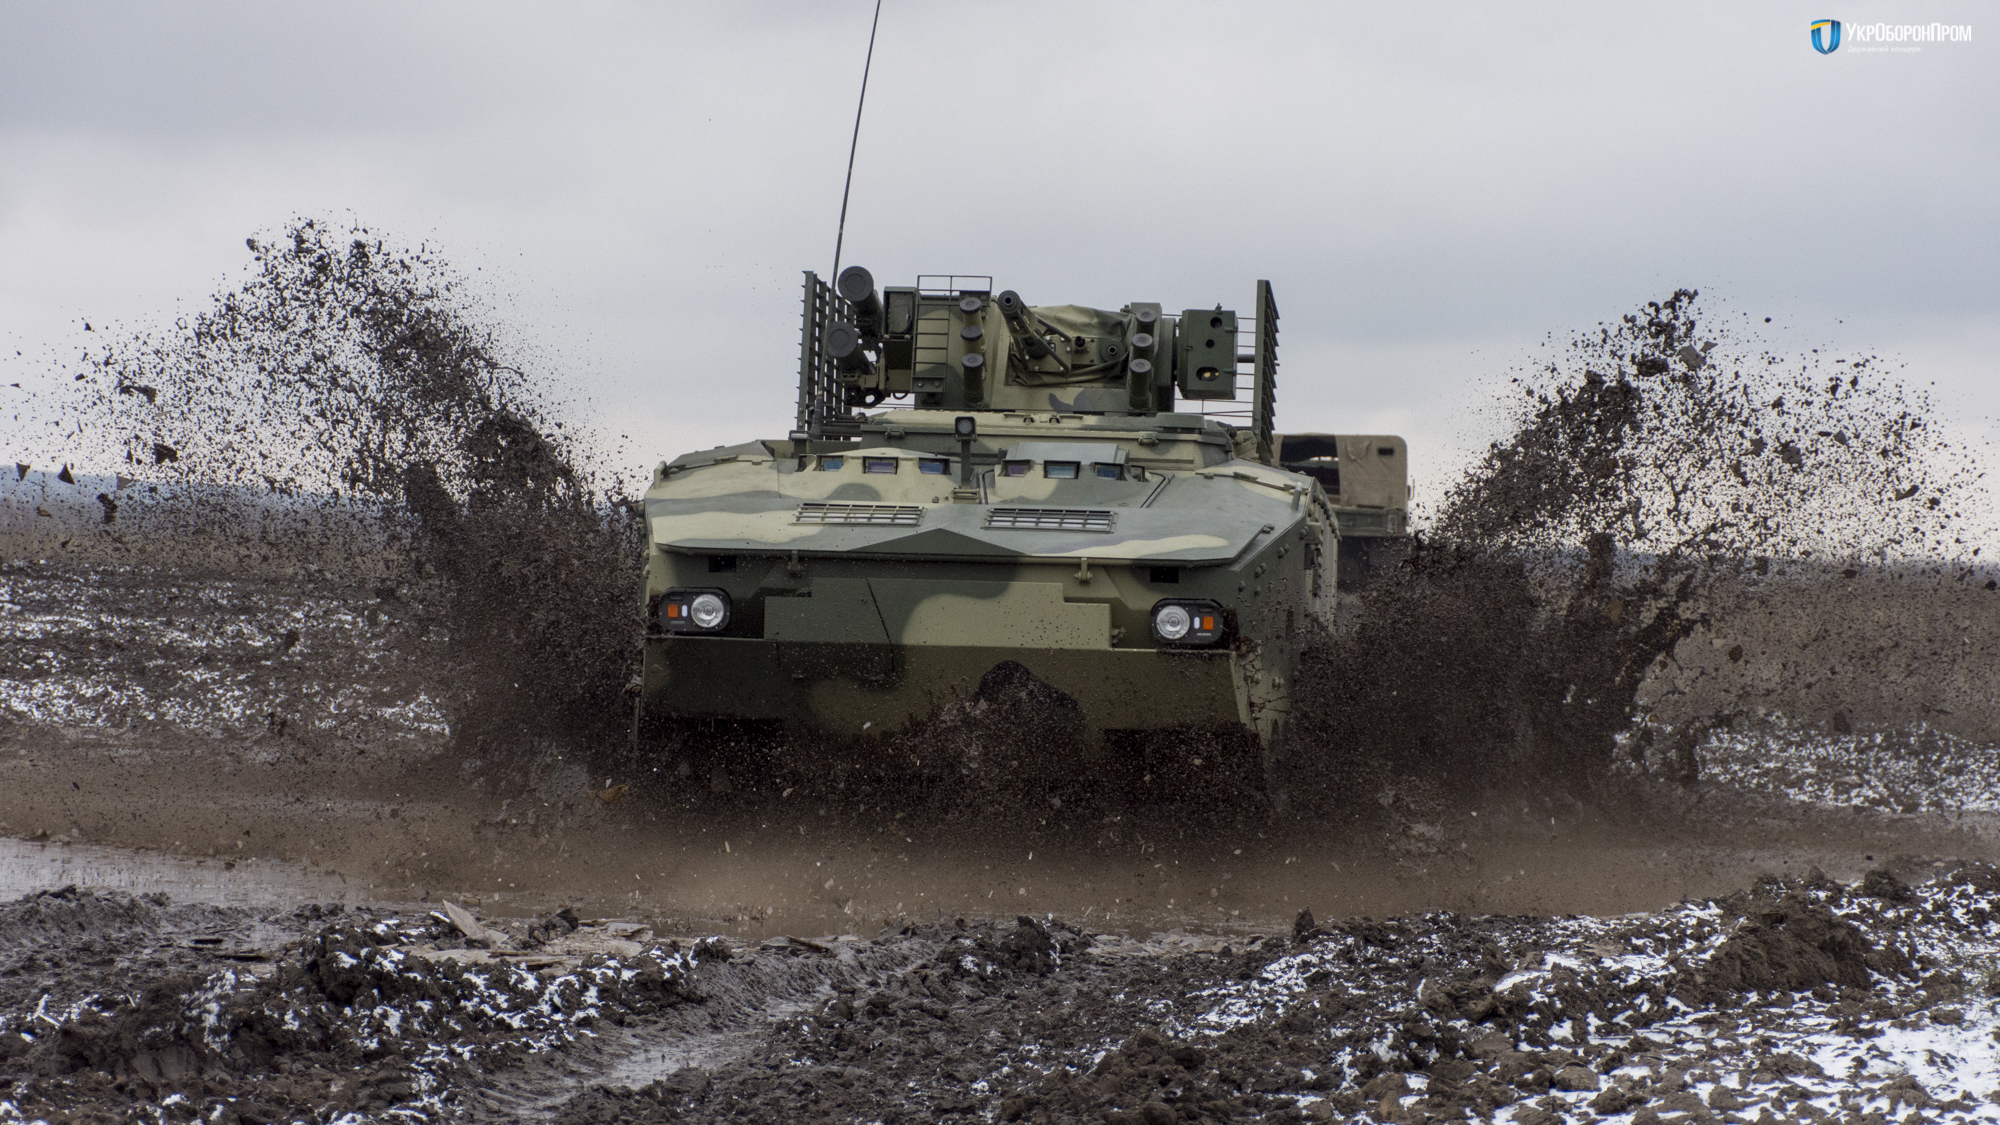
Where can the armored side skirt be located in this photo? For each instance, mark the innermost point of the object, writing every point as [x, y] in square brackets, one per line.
[839, 687]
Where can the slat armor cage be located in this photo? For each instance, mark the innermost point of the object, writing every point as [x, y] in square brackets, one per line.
[823, 408]
[1264, 373]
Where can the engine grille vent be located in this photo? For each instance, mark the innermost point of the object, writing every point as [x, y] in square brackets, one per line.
[864, 515]
[1049, 519]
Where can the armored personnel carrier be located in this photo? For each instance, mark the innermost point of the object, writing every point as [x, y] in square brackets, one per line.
[1054, 500]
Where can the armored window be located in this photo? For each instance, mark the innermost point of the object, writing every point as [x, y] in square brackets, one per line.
[878, 464]
[1060, 470]
[934, 468]
[1108, 472]
[831, 464]
[1014, 469]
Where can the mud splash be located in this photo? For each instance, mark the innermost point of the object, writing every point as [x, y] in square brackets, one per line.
[1657, 473]
[1677, 433]
[353, 388]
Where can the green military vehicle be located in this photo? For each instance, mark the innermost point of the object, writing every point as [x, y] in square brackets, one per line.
[1038, 511]
[1370, 501]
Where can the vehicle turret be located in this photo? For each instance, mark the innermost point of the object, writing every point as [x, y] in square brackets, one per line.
[950, 343]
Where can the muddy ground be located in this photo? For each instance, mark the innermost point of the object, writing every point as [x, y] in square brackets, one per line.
[251, 880]
[1797, 999]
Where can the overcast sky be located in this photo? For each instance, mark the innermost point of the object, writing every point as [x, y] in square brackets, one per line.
[1432, 190]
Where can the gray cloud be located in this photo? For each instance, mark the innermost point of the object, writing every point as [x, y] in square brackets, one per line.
[1431, 191]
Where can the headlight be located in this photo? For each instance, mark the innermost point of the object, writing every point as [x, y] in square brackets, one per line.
[709, 611]
[694, 611]
[1187, 624]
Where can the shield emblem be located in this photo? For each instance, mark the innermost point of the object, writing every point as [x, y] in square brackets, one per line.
[1826, 36]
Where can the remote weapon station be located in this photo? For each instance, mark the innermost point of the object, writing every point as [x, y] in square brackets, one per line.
[1036, 508]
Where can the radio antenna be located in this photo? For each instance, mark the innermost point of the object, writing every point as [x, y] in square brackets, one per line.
[841, 236]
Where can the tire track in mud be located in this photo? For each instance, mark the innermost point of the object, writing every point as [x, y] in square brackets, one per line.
[1800, 995]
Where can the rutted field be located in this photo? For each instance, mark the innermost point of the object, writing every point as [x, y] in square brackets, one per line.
[1807, 930]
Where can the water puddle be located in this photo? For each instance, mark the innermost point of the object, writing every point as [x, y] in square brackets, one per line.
[677, 1051]
[27, 866]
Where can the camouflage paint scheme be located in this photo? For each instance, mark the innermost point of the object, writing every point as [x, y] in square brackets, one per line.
[865, 626]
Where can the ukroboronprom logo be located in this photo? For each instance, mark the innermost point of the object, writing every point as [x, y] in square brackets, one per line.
[1898, 38]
